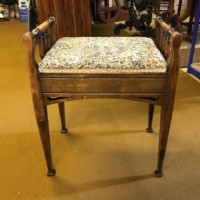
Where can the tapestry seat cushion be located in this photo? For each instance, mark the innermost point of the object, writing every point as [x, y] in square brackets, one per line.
[103, 55]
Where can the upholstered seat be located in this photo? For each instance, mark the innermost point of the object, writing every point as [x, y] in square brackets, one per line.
[103, 54]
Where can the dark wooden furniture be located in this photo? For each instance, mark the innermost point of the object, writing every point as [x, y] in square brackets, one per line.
[108, 13]
[142, 22]
[153, 88]
[9, 3]
[140, 16]
[72, 16]
[189, 13]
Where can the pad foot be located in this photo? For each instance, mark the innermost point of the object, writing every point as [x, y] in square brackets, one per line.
[51, 172]
[149, 130]
[64, 130]
[158, 173]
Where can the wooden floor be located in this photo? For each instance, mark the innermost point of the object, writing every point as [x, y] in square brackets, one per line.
[107, 155]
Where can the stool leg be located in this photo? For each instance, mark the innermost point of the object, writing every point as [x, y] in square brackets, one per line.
[43, 126]
[150, 118]
[61, 107]
[166, 116]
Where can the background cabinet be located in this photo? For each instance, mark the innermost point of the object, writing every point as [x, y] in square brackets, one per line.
[72, 16]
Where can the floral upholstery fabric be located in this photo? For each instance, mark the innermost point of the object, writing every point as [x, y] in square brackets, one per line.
[103, 54]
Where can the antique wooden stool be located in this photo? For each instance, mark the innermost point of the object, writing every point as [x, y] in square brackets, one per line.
[135, 68]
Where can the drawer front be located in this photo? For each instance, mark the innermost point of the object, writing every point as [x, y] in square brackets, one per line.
[102, 85]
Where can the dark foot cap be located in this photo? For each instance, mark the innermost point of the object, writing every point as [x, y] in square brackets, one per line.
[149, 130]
[64, 130]
[158, 173]
[51, 172]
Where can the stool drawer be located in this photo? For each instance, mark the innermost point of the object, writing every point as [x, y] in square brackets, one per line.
[102, 85]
